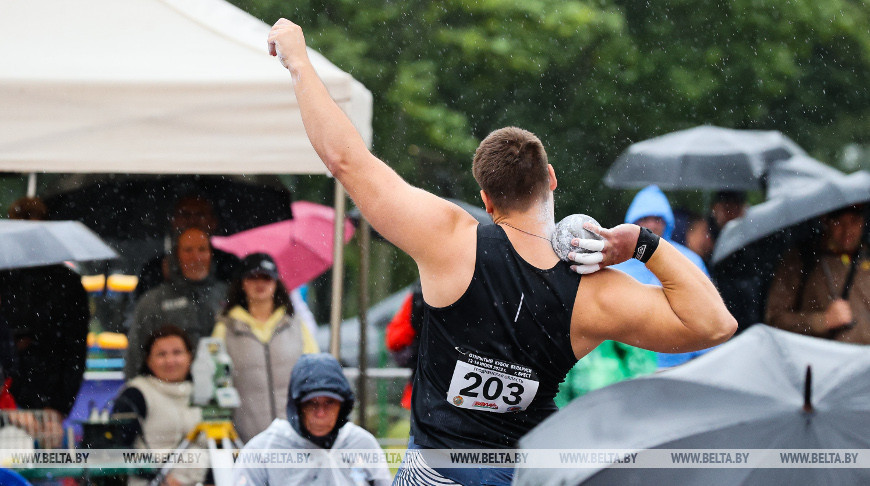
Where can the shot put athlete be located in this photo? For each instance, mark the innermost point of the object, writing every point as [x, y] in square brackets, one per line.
[504, 319]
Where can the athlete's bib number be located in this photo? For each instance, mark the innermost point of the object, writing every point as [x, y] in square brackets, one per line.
[481, 383]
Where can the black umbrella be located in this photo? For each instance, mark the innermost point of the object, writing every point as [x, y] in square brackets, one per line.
[752, 395]
[130, 207]
[704, 157]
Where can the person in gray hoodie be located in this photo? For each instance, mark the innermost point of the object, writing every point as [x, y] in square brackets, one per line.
[191, 300]
[319, 405]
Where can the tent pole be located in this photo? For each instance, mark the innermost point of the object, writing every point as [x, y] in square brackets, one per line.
[31, 184]
[364, 263]
[337, 273]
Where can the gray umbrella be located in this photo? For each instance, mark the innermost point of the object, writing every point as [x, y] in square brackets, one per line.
[704, 157]
[800, 204]
[37, 243]
[786, 176]
[753, 392]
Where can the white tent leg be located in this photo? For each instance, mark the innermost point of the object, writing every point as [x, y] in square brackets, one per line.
[337, 273]
[31, 184]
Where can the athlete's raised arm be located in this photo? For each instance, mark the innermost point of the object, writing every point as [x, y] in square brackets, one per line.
[685, 314]
[419, 223]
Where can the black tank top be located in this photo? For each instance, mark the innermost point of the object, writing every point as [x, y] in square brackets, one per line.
[491, 362]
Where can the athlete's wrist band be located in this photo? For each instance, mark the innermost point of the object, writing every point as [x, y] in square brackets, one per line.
[647, 242]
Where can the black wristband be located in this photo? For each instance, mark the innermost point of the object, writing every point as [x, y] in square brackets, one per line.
[647, 242]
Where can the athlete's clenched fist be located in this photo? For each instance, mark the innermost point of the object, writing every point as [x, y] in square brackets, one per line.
[287, 42]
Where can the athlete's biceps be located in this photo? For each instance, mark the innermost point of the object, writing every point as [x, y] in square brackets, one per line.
[634, 310]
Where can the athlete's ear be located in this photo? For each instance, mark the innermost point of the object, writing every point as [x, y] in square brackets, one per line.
[486, 202]
[552, 175]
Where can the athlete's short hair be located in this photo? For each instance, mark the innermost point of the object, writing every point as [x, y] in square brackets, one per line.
[510, 165]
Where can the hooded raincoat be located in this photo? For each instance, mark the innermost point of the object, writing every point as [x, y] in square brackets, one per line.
[651, 201]
[319, 458]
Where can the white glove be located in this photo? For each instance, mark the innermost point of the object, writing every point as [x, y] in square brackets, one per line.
[587, 246]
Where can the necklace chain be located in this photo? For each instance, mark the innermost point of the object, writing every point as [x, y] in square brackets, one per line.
[523, 231]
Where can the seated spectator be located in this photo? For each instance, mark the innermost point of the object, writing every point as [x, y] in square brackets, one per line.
[824, 290]
[318, 408]
[160, 398]
[264, 338]
[192, 298]
[190, 212]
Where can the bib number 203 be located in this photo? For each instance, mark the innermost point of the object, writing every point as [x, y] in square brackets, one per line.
[492, 388]
[490, 385]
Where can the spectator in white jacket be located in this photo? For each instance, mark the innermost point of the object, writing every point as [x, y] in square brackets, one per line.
[317, 420]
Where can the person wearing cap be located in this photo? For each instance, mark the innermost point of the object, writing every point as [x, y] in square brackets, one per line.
[264, 337]
[318, 408]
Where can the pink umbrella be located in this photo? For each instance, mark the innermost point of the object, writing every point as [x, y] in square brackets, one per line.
[302, 246]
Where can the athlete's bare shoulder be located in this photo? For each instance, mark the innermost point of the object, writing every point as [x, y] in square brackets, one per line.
[447, 267]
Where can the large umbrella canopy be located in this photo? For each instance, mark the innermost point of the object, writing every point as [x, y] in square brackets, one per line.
[799, 205]
[153, 86]
[137, 207]
[38, 243]
[704, 157]
[302, 247]
[785, 176]
[751, 393]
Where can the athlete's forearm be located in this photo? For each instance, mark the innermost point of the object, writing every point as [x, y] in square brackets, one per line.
[331, 133]
[691, 294]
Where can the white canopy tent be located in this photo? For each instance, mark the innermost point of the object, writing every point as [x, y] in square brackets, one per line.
[155, 86]
[152, 86]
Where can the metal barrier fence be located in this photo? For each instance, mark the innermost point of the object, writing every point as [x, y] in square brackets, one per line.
[385, 387]
[25, 430]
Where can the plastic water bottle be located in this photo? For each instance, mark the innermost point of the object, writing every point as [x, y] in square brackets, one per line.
[93, 412]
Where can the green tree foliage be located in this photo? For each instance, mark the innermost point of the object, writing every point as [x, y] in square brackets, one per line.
[590, 77]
